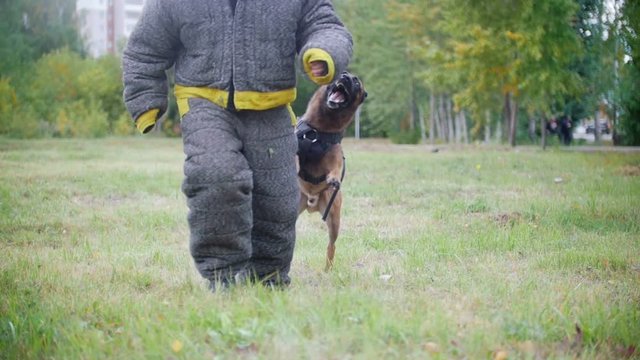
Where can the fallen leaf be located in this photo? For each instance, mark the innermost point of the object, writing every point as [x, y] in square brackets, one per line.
[626, 352]
[432, 347]
[527, 347]
[176, 346]
[500, 355]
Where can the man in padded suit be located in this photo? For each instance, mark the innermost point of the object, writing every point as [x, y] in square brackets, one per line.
[235, 79]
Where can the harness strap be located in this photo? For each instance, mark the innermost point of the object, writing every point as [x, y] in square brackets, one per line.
[335, 191]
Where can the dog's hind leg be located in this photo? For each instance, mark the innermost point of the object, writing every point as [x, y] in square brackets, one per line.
[333, 226]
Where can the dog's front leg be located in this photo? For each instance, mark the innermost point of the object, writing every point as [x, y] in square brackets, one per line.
[333, 182]
[334, 177]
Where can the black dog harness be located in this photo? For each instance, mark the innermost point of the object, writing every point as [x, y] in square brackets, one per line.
[312, 146]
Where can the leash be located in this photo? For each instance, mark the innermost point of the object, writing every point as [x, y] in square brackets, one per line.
[335, 191]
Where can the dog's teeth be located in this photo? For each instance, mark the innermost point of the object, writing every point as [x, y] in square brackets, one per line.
[337, 97]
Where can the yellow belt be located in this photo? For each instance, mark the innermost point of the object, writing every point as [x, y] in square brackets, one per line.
[243, 100]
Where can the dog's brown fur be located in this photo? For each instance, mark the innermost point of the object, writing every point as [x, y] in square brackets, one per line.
[321, 117]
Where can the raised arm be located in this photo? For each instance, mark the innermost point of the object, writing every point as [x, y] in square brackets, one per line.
[323, 38]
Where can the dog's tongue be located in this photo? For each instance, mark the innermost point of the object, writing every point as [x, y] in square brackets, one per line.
[336, 97]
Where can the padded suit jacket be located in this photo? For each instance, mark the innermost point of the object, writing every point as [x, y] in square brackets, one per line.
[249, 51]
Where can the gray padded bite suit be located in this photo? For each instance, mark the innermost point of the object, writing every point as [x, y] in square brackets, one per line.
[241, 188]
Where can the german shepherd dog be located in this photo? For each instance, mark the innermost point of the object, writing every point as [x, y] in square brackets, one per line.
[321, 164]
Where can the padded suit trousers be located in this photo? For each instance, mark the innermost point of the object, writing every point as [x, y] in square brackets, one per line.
[242, 191]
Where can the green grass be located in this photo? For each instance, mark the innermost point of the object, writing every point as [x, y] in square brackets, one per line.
[465, 253]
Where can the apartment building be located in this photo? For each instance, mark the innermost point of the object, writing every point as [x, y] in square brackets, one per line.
[106, 24]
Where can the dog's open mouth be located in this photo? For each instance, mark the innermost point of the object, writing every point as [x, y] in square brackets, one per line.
[338, 96]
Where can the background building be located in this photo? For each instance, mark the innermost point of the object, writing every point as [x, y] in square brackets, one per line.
[106, 24]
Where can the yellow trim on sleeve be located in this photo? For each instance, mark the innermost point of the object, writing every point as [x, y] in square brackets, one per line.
[316, 54]
[146, 121]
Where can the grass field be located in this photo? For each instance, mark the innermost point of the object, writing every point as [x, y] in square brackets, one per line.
[469, 253]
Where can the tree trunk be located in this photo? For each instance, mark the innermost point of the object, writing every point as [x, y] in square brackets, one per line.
[499, 132]
[432, 118]
[450, 119]
[505, 117]
[463, 123]
[513, 120]
[596, 129]
[458, 125]
[532, 129]
[616, 79]
[487, 126]
[412, 116]
[543, 132]
[442, 116]
[423, 134]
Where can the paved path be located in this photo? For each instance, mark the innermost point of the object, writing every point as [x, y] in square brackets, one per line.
[588, 148]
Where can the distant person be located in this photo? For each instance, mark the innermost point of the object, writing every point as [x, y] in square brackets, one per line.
[235, 79]
[552, 126]
[566, 130]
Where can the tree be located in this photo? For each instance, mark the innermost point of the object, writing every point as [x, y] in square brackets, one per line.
[520, 51]
[420, 25]
[630, 74]
[32, 28]
[380, 59]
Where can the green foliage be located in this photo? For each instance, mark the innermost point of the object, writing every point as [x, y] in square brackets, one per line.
[380, 60]
[17, 120]
[553, 56]
[630, 74]
[629, 129]
[101, 80]
[46, 81]
[32, 28]
[61, 89]
[24, 123]
[522, 49]
[8, 104]
[81, 118]
[54, 82]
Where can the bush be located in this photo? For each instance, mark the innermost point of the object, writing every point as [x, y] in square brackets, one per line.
[81, 119]
[71, 96]
[54, 83]
[8, 104]
[405, 137]
[629, 127]
[124, 126]
[101, 80]
[18, 120]
[24, 123]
